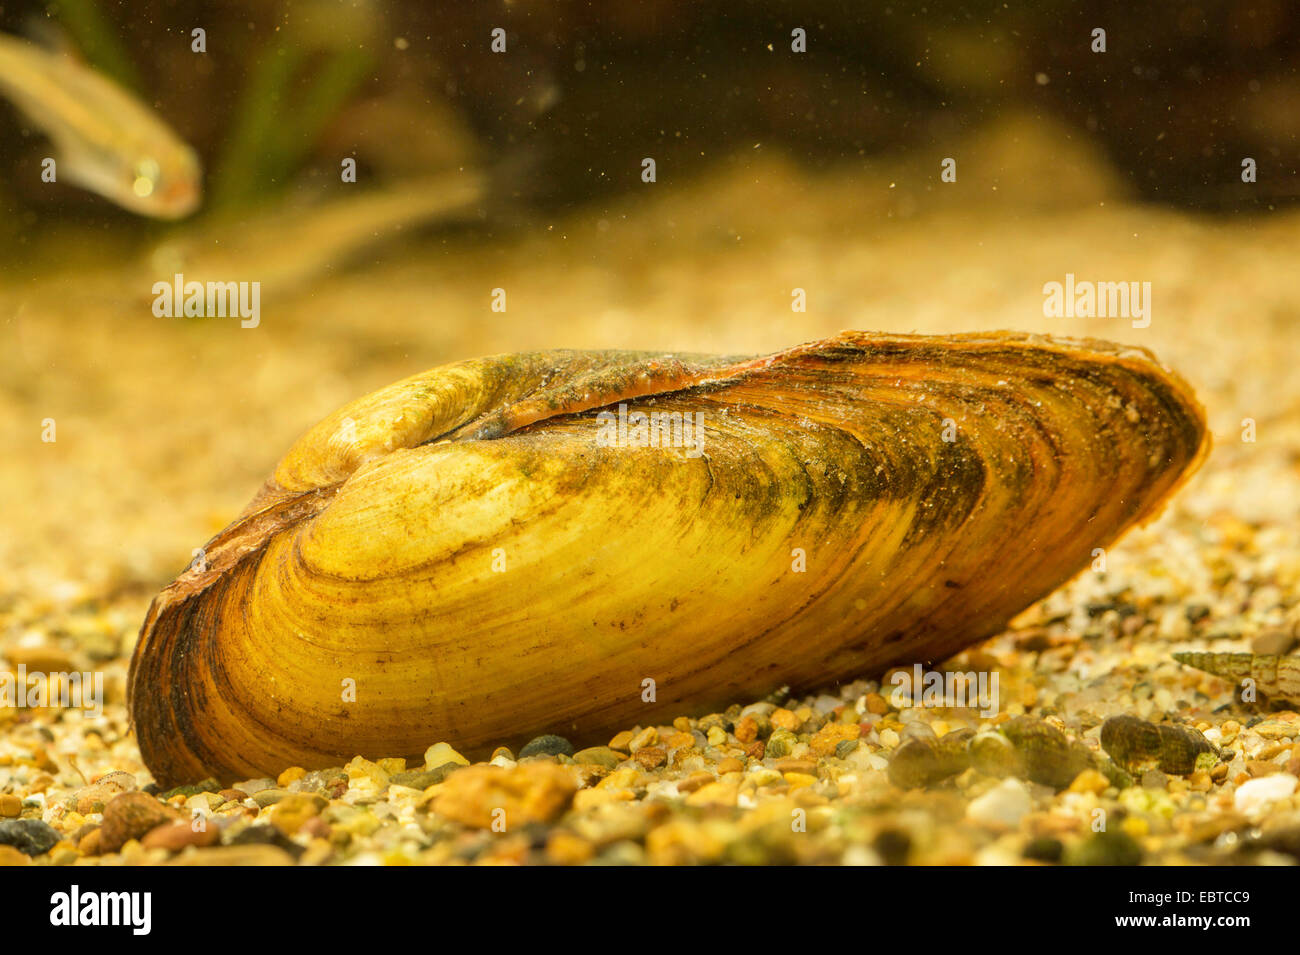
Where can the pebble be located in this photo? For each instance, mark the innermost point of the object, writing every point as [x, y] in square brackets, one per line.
[9, 856]
[245, 855]
[783, 719]
[175, 836]
[531, 792]
[330, 783]
[258, 834]
[875, 704]
[694, 781]
[714, 794]
[290, 776]
[790, 764]
[1044, 849]
[548, 745]
[252, 787]
[1155, 779]
[206, 786]
[565, 848]
[799, 780]
[598, 756]
[269, 797]
[858, 855]
[747, 729]
[423, 778]
[1278, 642]
[131, 816]
[1276, 729]
[650, 756]
[91, 844]
[1257, 793]
[439, 754]
[893, 845]
[29, 836]
[366, 779]
[826, 741]
[11, 807]
[204, 803]
[1090, 781]
[826, 704]
[679, 740]
[765, 777]
[1003, 806]
[1105, 848]
[292, 812]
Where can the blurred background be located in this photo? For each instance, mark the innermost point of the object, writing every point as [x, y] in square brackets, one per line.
[795, 146]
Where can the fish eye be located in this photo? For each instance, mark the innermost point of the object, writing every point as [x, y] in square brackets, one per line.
[147, 172]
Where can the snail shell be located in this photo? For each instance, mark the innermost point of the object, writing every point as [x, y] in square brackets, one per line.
[462, 550]
[1269, 674]
[1138, 746]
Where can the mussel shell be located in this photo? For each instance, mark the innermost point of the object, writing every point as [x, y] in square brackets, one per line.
[461, 546]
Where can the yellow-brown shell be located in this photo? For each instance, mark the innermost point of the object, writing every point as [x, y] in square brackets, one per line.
[463, 548]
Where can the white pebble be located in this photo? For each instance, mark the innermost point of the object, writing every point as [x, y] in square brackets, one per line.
[253, 786]
[1001, 806]
[1255, 793]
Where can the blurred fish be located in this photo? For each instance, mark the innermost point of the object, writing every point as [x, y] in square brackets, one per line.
[108, 141]
[290, 245]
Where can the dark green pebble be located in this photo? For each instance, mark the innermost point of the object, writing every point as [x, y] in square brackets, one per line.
[29, 836]
[267, 836]
[207, 786]
[1105, 848]
[548, 745]
[1044, 849]
[424, 778]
